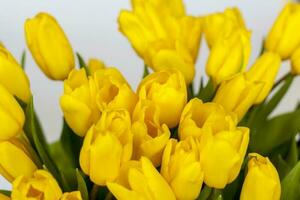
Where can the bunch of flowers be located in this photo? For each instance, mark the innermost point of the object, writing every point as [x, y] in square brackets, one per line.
[165, 140]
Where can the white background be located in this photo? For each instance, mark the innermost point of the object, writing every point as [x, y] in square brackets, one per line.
[92, 28]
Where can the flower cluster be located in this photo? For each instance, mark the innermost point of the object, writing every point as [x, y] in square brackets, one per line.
[164, 140]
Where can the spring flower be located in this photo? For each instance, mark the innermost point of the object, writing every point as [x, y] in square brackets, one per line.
[149, 135]
[296, 62]
[264, 69]
[238, 94]
[15, 160]
[107, 145]
[229, 55]
[222, 154]
[3, 197]
[153, 185]
[181, 168]
[283, 37]
[95, 64]
[49, 46]
[71, 196]
[12, 117]
[262, 180]
[217, 24]
[17, 85]
[198, 117]
[167, 90]
[163, 35]
[78, 102]
[41, 185]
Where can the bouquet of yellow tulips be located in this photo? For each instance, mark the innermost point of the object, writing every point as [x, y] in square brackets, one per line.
[168, 139]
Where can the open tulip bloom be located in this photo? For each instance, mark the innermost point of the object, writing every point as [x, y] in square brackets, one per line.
[166, 140]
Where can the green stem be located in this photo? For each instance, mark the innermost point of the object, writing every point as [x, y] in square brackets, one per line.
[94, 192]
[108, 196]
[280, 80]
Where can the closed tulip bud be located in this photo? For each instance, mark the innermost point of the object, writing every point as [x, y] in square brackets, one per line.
[149, 135]
[283, 37]
[113, 91]
[95, 64]
[78, 102]
[153, 184]
[12, 117]
[229, 56]
[264, 69]
[296, 62]
[163, 88]
[262, 180]
[71, 196]
[221, 23]
[4, 197]
[107, 145]
[17, 85]
[198, 117]
[181, 168]
[238, 94]
[49, 46]
[222, 154]
[41, 185]
[10, 167]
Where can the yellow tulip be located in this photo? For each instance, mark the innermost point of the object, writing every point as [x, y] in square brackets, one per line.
[163, 35]
[149, 135]
[3, 197]
[262, 180]
[222, 154]
[238, 94]
[41, 185]
[283, 37]
[12, 117]
[106, 146]
[49, 46]
[113, 91]
[15, 160]
[78, 102]
[167, 90]
[198, 117]
[71, 196]
[95, 64]
[13, 77]
[264, 69]
[296, 62]
[181, 168]
[144, 182]
[229, 55]
[217, 24]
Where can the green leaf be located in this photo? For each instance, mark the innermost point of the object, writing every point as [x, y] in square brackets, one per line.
[207, 93]
[290, 184]
[205, 193]
[292, 157]
[23, 59]
[5, 192]
[81, 186]
[146, 71]
[190, 90]
[275, 132]
[82, 64]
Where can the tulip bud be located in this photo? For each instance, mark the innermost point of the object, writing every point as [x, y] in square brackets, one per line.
[10, 167]
[238, 94]
[144, 182]
[49, 46]
[217, 24]
[265, 70]
[283, 38]
[262, 180]
[229, 55]
[71, 196]
[181, 168]
[163, 88]
[12, 117]
[113, 91]
[41, 185]
[222, 154]
[149, 135]
[95, 64]
[78, 102]
[3, 197]
[296, 62]
[17, 85]
[107, 145]
[198, 117]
